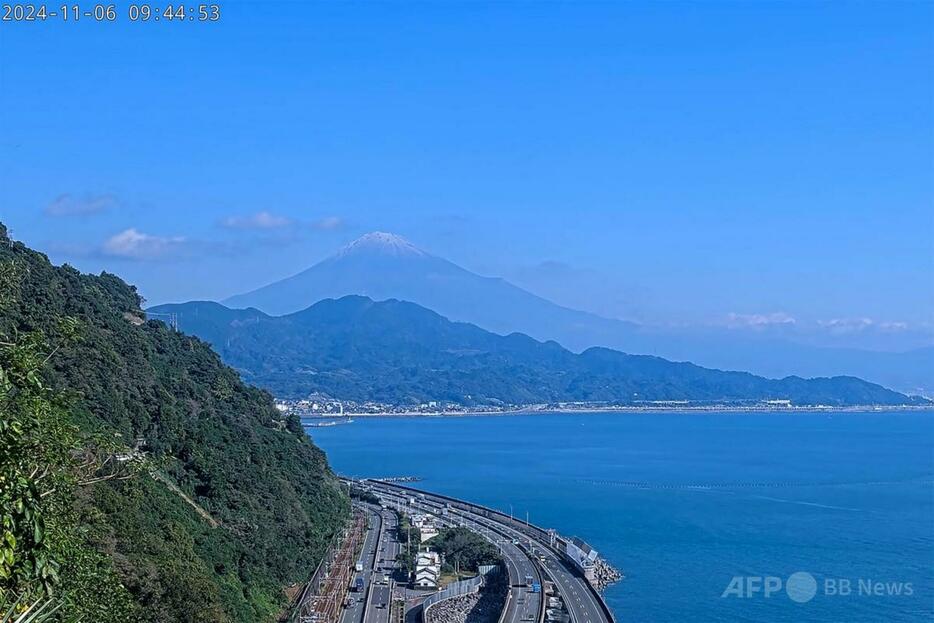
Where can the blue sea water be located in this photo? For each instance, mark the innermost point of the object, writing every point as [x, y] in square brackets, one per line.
[684, 502]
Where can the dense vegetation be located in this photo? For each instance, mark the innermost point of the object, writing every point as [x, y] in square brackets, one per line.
[364, 496]
[400, 353]
[49, 566]
[140, 479]
[463, 550]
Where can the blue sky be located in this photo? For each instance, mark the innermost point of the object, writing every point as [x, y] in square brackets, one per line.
[695, 163]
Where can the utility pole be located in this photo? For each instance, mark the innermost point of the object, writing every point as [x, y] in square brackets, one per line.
[173, 319]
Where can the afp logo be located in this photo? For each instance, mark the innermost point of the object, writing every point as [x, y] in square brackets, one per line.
[800, 586]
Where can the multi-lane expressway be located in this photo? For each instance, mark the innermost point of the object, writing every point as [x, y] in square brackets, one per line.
[378, 558]
[355, 608]
[522, 605]
[584, 604]
[383, 581]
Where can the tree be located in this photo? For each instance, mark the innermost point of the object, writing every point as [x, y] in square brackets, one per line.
[47, 567]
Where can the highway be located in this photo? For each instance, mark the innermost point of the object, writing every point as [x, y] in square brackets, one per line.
[522, 605]
[382, 577]
[583, 603]
[354, 612]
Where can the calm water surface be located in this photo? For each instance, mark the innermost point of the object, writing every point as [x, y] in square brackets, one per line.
[682, 503]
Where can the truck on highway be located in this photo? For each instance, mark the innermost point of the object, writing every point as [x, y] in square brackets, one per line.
[536, 587]
[358, 567]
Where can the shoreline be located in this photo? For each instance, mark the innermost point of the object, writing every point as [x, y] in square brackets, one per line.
[630, 410]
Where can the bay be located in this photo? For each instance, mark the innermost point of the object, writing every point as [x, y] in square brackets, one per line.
[685, 503]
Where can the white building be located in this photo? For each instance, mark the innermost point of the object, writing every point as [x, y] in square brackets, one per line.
[427, 569]
[584, 556]
[426, 526]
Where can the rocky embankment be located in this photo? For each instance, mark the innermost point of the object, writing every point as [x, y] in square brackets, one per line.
[484, 606]
[606, 575]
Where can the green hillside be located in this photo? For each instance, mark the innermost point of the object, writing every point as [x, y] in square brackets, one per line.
[400, 353]
[184, 494]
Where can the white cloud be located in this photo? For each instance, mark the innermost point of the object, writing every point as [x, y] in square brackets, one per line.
[759, 321]
[87, 205]
[893, 326]
[260, 220]
[329, 223]
[857, 325]
[133, 244]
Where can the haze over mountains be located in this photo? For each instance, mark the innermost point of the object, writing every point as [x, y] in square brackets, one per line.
[384, 266]
[401, 353]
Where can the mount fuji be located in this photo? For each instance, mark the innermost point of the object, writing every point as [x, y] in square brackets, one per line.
[386, 266]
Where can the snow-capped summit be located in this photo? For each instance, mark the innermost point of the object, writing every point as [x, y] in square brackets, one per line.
[381, 243]
[385, 266]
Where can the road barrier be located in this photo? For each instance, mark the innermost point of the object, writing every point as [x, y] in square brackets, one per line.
[458, 589]
[530, 529]
[379, 539]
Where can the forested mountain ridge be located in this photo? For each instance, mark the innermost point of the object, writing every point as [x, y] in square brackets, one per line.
[384, 266]
[401, 353]
[163, 400]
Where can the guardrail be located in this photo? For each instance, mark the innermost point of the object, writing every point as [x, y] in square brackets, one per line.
[536, 564]
[519, 525]
[369, 585]
[458, 589]
[502, 615]
[542, 605]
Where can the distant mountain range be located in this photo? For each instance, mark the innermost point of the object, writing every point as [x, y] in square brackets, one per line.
[384, 266]
[401, 353]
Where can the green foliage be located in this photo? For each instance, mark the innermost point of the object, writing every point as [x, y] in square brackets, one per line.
[364, 496]
[34, 446]
[135, 397]
[400, 353]
[408, 534]
[463, 549]
[45, 555]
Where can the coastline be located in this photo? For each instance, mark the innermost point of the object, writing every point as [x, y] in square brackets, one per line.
[630, 410]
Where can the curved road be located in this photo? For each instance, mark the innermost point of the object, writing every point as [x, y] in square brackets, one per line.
[522, 605]
[580, 599]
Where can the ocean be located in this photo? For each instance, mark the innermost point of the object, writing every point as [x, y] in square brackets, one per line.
[708, 515]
